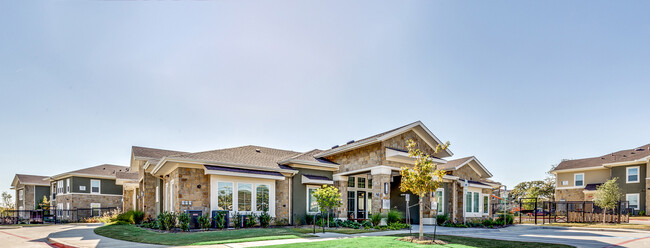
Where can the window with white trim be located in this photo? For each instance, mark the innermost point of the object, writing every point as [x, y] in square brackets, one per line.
[95, 208]
[157, 194]
[67, 206]
[59, 187]
[244, 196]
[312, 204]
[224, 197]
[21, 194]
[95, 186]
[632, 174]
[579, 179]
[486, 203]
[439, 196]
[633, 200]
[67, 185]
[262, 197]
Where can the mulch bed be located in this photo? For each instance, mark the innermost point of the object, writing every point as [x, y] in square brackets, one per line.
[424, 241]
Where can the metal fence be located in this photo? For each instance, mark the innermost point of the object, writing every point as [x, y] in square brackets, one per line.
[51, 215]
[584, 212]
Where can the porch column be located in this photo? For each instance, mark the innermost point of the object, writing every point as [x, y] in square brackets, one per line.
[454, 200]
[380, 180]
[341, 183]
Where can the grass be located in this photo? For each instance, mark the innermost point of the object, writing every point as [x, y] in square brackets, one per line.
[594, 225]
[390, 241]
[334, 230]
[141, 235]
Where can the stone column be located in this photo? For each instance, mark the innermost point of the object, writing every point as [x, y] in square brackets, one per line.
[380, 176]
[454, 200]
[341, 183]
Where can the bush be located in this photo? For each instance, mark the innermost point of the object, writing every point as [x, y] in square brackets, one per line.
[184, 221]
[265, 219]
[642, 213]
[251, 221]
[441, 219]
[509, 219]
[393, 216]
[366, 223]
[219, 220]
[237, 220]
[119, 222]
[166, 221]
[350, 224]
[131, 216]
[204, 222]
[150, 223]
[375, 219]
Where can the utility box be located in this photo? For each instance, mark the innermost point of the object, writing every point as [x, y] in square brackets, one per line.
[225, 214]
[194, 218]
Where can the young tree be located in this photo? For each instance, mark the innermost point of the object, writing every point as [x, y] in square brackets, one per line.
[607, 195]
[328, 198]
[423, 178]
[7, 200]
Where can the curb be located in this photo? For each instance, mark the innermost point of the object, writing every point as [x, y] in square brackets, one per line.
[59, 244]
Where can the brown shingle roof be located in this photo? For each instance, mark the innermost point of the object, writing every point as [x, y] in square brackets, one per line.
[33, 179]
[99, 170]
[147, 152]
[616, 157]
[309, 157]
[127, 175]
[453, 163]
[368, 138]
[257, 156]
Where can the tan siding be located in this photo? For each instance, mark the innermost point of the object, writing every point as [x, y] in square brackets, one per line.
[591, 176]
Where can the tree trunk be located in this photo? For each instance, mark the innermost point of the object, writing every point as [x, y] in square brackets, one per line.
[604, 214]
[421, 214]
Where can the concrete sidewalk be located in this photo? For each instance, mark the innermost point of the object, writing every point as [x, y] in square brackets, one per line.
[83, 235]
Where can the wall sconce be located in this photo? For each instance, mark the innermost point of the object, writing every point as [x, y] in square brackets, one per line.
[198, 186]
[386, 188]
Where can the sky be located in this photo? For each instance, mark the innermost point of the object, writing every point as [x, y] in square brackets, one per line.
[521, 85]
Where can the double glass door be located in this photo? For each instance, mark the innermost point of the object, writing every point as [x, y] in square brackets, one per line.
[359, 204]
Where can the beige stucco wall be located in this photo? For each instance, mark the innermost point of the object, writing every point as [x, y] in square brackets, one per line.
[591, 176]
[569, 194]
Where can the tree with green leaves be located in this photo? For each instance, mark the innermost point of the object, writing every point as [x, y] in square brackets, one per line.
[424, 177]
[607, 195]
[328, 198]
[7, 201]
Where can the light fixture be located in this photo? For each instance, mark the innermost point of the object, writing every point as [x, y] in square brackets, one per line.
[386, 188]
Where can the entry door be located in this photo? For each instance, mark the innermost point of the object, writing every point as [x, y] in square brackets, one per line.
[361, 204]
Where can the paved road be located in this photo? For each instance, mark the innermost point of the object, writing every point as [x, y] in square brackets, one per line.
[83, 236]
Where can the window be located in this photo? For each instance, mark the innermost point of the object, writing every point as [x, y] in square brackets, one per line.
[224, 198]
[67, 214]
[565, 182]
[21, 194]
[67, 185]
[439, 195]
[579, 179]
[170, 193]
[59, 209]
[351, 182]
[633, 199]
[369, 208]
[351, 201]
[82, 187]
[632, 174]
[370, 183]
[94, 207]
[95, 186]
[468, 203]
[262, 197]
[475, 202]
[59, 187]
[486, 204]
[362, 183]
[312, 204]
[244, 196]
[157, 193]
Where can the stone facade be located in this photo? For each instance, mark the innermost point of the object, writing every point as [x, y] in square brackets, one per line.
[282, 194]
[400, 142]
[127, 203]
[146, 194]
[569, 194]
[83, 201]
[28, 197]
[192, 190]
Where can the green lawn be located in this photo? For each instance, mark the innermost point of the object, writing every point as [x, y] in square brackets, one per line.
[140, 235]
[334, 230]
[389, 241]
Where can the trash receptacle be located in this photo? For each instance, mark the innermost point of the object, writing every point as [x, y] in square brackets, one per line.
[194, 218]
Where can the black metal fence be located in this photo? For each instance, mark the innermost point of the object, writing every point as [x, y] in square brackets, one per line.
[584, 212]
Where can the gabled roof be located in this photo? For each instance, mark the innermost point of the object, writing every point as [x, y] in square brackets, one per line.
[154, 153]
[309, 158]
[254, 156]
[641, 153]
[99, 171]
[458, 163]
[126, 175]
[30, 180]
[418, 125]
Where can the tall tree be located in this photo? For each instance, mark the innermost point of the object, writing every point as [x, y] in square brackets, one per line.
[328, 198]
[424, 177]
[534, 189]
[7, 201]
[607, 195]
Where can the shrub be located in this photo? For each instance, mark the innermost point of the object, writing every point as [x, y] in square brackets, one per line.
[375, 219]
[166, 221]
[251, 220]
[184, 221]
[219, 220]
[366, 223]
[398, 226]
[642, 213]
[204, 222]
[393, 216]
[131, 216]
[237, 220]
[509, 219]
[350, 224]
[265, 219]
[150, 223]
[119, 222]
[441, 219]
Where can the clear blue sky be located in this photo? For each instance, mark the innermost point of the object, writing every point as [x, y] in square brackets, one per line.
[519, 84]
